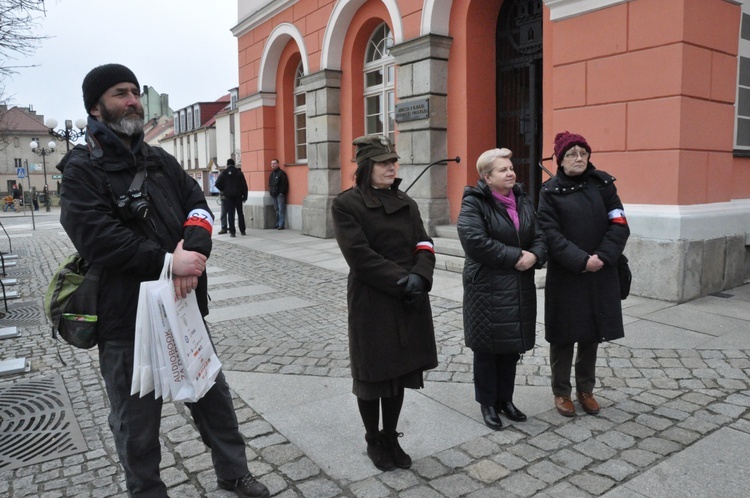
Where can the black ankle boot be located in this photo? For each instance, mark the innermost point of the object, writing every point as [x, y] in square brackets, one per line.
[511, 411]
[390, 441]
[491, 419]
[378, 452]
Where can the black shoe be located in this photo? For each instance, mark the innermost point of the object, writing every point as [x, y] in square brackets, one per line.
[223, 231]
[378, 453]
[491, 419]
[510, 411]
[243, 233]
[245, 486]
[390, 441]
[232, 235]
[280, 228]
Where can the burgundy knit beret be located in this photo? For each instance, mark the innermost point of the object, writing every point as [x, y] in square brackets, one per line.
[566, 140]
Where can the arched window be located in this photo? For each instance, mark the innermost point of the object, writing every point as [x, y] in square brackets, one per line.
[380, 104]
[300, 116]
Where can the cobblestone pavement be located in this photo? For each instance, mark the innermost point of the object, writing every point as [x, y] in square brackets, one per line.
[656, 402]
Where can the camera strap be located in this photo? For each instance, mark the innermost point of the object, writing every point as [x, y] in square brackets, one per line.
[137, 184]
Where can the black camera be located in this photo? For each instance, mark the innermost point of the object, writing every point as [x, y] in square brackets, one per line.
[135, 204]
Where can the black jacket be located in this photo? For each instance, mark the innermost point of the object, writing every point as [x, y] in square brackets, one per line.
[574, 213]
[128, 250]
[378, 236]
[231, 182]
[278, 183]
[499, 301]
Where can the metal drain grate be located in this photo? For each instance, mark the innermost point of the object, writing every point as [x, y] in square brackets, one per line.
[37, 423]
[26, 314]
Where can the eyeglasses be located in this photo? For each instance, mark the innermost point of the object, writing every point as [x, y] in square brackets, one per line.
[573, 155]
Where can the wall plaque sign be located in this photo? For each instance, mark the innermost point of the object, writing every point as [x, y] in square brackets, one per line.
[412, 110]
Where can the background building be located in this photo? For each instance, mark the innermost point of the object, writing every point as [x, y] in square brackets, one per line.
[18, 127]
[193, 139]
[660, 88]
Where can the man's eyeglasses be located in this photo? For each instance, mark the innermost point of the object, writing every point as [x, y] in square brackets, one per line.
[573, 155]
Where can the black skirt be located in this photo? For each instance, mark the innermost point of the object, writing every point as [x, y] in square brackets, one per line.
[387, 388]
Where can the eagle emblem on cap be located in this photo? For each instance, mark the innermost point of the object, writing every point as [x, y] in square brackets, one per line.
[384, 142]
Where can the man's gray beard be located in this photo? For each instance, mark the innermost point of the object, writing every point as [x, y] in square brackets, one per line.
[127, 125]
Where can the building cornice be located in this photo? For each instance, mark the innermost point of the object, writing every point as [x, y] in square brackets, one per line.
[260, 16]
[264, 99]
[563, 9]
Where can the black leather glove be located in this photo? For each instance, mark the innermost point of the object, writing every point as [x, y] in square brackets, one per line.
[414, 285]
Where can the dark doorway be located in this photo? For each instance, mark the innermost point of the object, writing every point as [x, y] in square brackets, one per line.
[519, 88]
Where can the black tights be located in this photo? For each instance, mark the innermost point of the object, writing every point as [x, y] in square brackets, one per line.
[370, 412]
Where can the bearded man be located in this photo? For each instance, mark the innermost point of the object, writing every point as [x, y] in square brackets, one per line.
[125, 205]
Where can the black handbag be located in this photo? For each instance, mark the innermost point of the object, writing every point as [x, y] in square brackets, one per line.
[623, 273]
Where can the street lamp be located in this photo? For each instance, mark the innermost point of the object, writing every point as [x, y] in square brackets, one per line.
[44, 152]
[66, 134]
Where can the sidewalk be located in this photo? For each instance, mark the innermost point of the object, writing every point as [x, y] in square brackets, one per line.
[675, 394]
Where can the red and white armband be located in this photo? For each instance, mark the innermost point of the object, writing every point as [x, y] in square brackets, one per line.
[617, 216]
[200, 218]
[425, 245]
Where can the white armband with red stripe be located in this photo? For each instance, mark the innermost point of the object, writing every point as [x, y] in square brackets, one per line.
[617, 216]
[425, 246]
[200, 218]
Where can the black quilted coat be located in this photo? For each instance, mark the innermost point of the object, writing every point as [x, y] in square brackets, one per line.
[573, 212]
[499, 301]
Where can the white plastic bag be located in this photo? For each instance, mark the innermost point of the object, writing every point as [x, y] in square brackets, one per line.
[173, 354]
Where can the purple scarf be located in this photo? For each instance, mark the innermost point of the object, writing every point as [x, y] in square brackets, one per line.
[509, 202]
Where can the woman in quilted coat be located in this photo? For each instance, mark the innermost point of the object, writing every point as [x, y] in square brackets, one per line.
[503, 245]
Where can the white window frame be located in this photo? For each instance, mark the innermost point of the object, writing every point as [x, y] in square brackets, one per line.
[378, 59]
[300, 116]
[742, 101]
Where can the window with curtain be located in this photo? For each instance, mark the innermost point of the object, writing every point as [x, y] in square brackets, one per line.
[300, 116]
[380, 104]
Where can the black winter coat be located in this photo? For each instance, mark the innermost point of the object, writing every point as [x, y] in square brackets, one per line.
[231, 182]
[499, 301]
[378, 236]
[278, 183]
[574, 213]
[128, 250]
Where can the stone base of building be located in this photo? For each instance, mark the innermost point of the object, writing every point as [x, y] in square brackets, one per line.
[680, 253]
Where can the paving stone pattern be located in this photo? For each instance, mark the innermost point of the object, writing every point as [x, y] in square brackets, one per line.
[655, 402]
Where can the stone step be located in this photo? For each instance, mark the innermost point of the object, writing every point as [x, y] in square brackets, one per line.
[446, 231]
[448, 246]
[11, 295]
[14, 365]
[8, 332]
[9, 281]
[8, 257]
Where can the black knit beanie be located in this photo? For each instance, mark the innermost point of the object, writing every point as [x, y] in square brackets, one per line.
[102, 78]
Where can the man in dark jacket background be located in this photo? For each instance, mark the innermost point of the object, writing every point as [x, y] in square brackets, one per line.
[126, 205]
[233, 188]
[278, 187]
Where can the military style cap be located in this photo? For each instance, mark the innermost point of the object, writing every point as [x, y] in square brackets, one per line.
[375, 147]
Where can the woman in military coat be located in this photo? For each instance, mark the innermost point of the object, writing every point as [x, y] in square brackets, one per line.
[391, 261]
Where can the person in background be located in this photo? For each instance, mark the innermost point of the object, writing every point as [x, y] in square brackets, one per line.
[278, 187]
[391, 261]
[586, 230]
[9, 203]
[503, 244]
[125, 205]
[233, 186]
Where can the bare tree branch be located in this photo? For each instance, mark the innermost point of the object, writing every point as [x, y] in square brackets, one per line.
[18, 18]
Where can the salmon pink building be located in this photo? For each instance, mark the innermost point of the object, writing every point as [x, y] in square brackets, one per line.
[659, 88]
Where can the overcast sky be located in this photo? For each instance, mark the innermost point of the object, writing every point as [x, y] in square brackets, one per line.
[180, 47]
